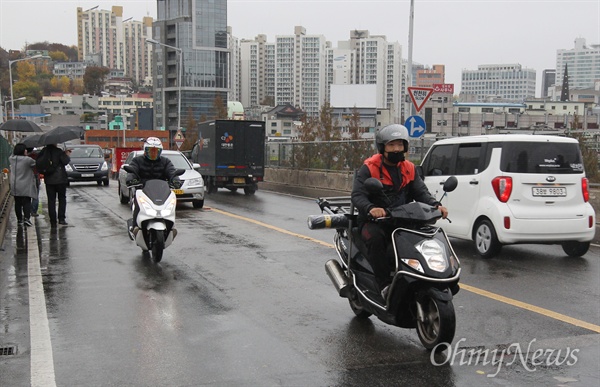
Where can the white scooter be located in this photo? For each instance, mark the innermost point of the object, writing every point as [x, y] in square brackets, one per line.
[155, 221]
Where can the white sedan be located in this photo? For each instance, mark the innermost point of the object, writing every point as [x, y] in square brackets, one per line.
[192, 188]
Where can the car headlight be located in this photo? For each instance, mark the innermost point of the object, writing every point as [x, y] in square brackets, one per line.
[104, 166]
[68, 168]
[434, 253]
[195, 182]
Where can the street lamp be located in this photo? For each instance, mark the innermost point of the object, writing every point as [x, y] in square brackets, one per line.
[10, 62]
[179, 78]
[122, 98]
[11, 100]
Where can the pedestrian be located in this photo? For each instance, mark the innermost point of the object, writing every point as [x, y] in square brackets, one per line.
[56, 182]
[22, 183]
[35, 202]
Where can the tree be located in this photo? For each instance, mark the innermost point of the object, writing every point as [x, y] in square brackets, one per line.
[269, 100]
[94, 78]
[358, 149]
[220, 108]
[328, 131]
[58, 56]
[191, 132]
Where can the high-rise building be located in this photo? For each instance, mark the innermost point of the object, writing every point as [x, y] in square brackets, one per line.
[103, 37]
[583, 62]
[197, 29]
[548, 80]
[427, 77]
[504, 82]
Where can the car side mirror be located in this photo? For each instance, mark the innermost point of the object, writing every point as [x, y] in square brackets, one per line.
[450, 184]
[373, 185]
[179, 172]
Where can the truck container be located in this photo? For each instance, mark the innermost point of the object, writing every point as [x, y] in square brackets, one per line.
[231, 154]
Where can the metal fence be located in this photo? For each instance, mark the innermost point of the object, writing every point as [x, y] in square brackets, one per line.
[345, 155]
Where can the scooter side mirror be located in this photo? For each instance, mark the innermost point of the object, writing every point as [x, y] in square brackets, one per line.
[450, 184]
[129, 169]
[373, 185]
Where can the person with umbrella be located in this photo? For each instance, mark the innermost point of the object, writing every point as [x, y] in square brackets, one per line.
[56, 180]
[22, 183]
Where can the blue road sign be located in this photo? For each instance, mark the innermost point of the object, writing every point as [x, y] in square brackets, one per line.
[416, 126]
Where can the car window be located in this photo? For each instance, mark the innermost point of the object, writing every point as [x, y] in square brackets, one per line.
[438, 161]
[541, 157]
[86, 152]
[467, 159]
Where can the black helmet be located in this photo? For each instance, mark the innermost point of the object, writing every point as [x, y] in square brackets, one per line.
[391, 133]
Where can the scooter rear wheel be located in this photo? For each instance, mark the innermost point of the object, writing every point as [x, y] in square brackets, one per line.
[158, 245]
[356, 306]
[438, 325]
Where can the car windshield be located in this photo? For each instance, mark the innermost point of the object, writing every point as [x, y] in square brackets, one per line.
[541, 157]
[87, 152]
[179, 161]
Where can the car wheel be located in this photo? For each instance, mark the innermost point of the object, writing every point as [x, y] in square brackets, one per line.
[486, 241]
[198, 203]
[575, 249]
[122, 198]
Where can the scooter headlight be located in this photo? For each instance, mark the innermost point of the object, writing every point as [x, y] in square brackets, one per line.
[169, 209]
[434, 253]
[151, 212]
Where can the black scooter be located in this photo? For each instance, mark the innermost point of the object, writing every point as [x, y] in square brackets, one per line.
[426, 274]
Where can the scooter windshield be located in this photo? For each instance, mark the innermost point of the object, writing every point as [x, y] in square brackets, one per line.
[157, 190]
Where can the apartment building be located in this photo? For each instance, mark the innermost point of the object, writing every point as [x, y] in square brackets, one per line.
[105, 38]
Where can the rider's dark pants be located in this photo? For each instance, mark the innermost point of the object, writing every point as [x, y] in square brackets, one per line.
[377, 238]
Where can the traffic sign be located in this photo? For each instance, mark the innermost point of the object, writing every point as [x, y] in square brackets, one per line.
[419, 96]
[179, 143]
[416, 126]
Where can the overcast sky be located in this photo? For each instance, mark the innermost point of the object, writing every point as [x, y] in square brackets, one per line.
[460, 34]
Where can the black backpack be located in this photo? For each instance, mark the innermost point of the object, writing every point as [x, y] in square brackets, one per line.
[44, 163]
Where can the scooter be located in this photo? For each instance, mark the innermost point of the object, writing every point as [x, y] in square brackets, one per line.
[426, 273]
[156, 218]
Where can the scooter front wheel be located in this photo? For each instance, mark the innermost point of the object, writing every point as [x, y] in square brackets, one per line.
[158, 244]
[436, 324]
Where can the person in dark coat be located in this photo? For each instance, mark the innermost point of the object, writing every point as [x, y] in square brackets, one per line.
[22, 183]
[150, 166]
[401, 185]
[56, 184]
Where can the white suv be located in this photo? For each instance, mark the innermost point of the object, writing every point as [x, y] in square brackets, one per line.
[513, 188]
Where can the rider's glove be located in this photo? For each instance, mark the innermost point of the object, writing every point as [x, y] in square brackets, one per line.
[132, 182]
[176, 183]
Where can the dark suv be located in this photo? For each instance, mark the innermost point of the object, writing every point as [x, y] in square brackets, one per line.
[88, 164]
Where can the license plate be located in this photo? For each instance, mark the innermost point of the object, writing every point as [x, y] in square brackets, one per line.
[549, 191]
[87, 175]
[239, 180]
[177, 191]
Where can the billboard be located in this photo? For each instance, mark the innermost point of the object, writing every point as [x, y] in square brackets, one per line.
[443, 88]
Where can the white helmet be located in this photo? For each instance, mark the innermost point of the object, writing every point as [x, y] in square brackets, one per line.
[153, 148]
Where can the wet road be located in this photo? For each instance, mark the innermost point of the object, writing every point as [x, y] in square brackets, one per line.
[242, 298]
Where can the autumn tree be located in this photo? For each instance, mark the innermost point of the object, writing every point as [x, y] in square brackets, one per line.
[304, 152]
[358, 149]
[58, 56]
[94, 79]
[220, 108]
[328, 131]
[191, 132]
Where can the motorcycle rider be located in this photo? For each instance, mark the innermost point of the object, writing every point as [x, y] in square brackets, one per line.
[147, 167]
[401, 185]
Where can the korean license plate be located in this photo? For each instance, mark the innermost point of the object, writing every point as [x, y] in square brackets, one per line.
[549, 191]
[239, 180]
[177, 191]
[87, 175]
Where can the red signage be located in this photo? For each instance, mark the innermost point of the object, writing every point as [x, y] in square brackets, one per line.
[443, 88]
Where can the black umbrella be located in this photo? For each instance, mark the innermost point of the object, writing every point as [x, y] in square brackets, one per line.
[32, 141]
[20, 126]
[61, 134]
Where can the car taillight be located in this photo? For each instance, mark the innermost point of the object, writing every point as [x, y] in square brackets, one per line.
[584, 189]
[502, 187]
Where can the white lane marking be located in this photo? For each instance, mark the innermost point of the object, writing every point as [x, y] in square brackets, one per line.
[42, 361]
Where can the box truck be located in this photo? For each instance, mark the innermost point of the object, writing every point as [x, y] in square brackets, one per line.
[231, 154]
